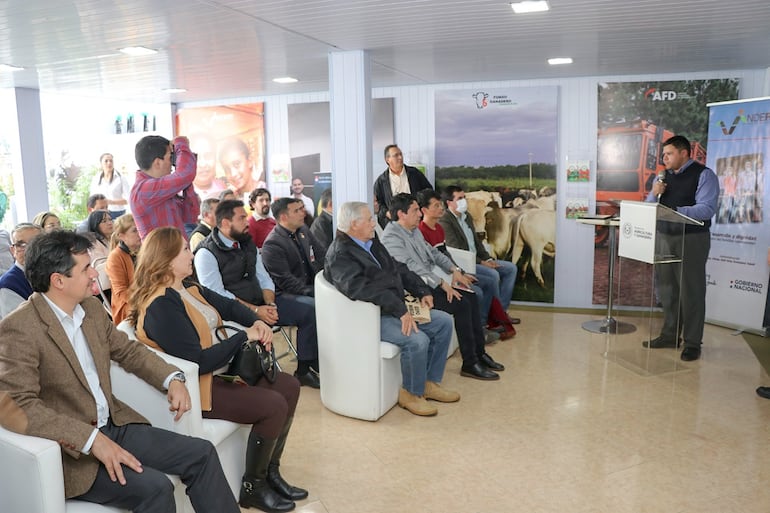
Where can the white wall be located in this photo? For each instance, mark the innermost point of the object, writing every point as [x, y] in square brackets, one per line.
[415, 135]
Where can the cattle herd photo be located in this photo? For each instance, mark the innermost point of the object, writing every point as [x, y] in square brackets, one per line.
[500, 147]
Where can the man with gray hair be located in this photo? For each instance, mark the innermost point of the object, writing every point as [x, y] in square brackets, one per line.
[14, 286]
[359, 266]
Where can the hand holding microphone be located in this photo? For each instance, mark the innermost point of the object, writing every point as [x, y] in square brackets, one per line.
[660, 183]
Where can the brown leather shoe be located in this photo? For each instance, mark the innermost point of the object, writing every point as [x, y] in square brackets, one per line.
[434, 392]
[416, 404]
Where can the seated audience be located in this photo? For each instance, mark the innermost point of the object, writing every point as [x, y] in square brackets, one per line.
[291, 253]
[125, 244]
[94, 202]
[208, 221]
[490, 308]
[359, 266]
[458, 227]
[229, 263]
[261, 223]
[100, 227]
[322, 226]
[406, 244]
[48, 221]
[14, 286]
[181, 319]
[55, 353]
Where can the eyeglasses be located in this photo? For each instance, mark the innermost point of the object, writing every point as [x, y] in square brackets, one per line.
[20, 245]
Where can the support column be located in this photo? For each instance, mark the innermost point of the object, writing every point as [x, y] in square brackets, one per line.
[29, 175]
[350, 100]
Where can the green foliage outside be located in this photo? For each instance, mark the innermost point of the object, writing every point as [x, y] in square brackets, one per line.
[686, 116]
[497, 178]
[67, 198]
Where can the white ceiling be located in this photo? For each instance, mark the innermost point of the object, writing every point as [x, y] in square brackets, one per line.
[234, 48]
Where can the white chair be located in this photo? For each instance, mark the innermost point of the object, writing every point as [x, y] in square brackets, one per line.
[464, 258]
[31, 476]
[228, 437]
[360, 374]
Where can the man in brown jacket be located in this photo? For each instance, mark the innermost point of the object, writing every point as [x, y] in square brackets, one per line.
[55, 353]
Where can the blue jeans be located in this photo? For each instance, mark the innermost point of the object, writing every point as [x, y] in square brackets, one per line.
[423, 353]
[504, 278]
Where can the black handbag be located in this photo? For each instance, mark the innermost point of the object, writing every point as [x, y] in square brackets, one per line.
[252, 361]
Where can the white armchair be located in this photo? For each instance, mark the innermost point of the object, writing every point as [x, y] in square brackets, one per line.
[31, 478]
[360, 374]
[464, 258]
[228, 437]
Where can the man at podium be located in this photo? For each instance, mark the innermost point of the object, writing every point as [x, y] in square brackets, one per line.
[691, 189]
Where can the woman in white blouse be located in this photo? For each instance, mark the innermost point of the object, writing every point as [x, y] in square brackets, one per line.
[113, 185]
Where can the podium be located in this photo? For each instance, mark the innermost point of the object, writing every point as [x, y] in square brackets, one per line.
[654, 233]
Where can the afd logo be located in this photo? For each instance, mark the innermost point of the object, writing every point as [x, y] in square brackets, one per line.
[737, 121]
[481, 99]
[656, 95]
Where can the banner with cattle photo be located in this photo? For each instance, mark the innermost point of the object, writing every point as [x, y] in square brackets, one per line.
[737, 268]
[635, 118]
[500, 146]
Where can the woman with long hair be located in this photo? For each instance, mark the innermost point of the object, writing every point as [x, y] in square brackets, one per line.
[100, 227]
[124, 244]
[180, 318]
[112, 184]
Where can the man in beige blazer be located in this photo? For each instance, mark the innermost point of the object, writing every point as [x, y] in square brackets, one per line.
[55, 353]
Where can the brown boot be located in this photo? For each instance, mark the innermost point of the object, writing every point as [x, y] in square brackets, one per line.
[434, 392]
[415, 404]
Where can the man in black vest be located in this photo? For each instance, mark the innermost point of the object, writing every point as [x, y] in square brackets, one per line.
[691, 189]
[229, 263]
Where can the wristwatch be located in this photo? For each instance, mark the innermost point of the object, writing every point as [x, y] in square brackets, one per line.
[179, 376]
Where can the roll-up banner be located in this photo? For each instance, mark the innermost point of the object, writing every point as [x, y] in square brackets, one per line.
[737, 269]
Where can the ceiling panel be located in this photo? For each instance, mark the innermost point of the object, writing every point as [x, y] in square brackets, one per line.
[234, 48]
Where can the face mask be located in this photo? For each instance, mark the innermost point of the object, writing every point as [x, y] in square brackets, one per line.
[462, 205]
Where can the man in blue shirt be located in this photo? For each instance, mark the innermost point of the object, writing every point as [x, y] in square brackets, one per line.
[229, 263]
[691, 189]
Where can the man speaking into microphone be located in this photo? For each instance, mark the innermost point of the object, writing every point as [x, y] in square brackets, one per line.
[691, 189]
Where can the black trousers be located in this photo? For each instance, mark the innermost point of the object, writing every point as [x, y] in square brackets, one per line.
[162, 452]
[684, 307]
[470, 334]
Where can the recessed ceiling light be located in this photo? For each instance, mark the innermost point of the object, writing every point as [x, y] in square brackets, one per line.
[285, 80]
[175, 90]
[9, 67]
[560, 60]
[138, 51]
[528, 6]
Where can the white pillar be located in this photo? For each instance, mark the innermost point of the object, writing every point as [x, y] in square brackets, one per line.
[29, 175]
[350, 98]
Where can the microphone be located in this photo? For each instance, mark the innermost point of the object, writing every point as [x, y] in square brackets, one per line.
[662, 179]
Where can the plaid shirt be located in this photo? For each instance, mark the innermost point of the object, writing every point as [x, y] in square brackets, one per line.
[155, 202]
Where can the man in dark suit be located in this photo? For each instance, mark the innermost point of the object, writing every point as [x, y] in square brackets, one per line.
[396, 179]
[55, 354]
[322, 226]
[292, 254]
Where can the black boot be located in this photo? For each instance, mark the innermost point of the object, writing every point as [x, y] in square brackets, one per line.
[255, 490]
[274, 476]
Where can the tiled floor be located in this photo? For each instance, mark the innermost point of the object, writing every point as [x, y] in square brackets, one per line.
[580, 422]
